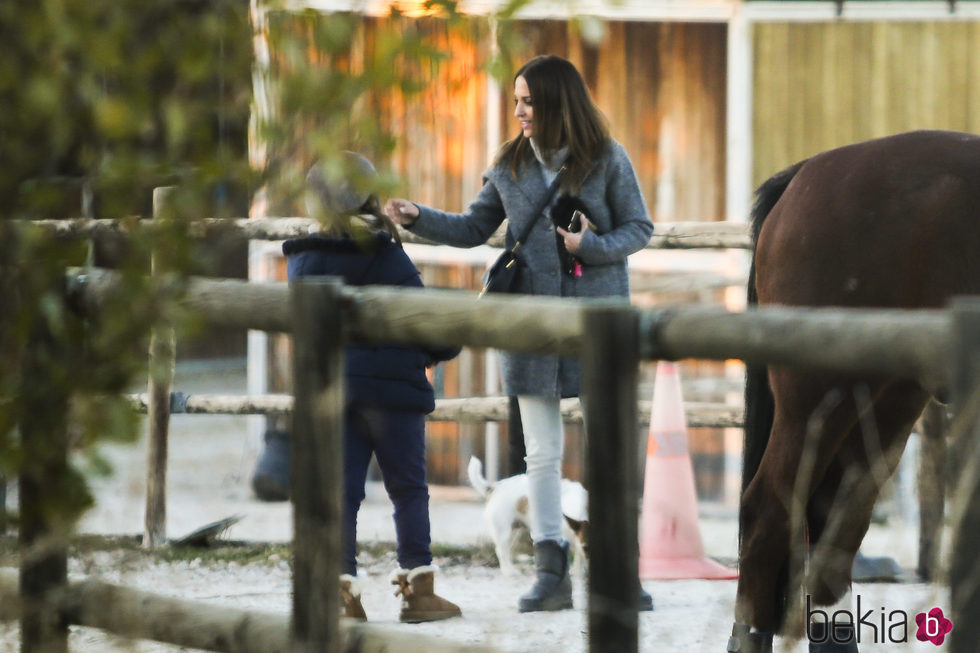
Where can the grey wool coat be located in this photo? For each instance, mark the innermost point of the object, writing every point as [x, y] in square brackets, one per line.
[622, 226]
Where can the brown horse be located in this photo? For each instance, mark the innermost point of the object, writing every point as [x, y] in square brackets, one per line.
[892, 222]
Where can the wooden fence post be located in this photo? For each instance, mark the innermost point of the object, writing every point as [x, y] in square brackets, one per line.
[44, 523]
[610, 360]
[931, 482]
[161, 376]
[965, 566]
[316, 469]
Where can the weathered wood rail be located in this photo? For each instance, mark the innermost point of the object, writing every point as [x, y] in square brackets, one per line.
[668, 235]
[908, 344]
[198, 625]
[465, 410]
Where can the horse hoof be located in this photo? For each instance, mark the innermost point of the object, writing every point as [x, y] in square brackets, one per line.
[743, 640]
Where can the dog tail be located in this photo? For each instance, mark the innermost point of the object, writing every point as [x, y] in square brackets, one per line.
[475, 471]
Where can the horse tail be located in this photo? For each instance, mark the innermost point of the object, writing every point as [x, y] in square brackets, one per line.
[759, 404]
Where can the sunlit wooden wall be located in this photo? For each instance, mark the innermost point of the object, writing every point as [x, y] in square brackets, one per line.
[441, 149]
[661, 85]
[821, 85]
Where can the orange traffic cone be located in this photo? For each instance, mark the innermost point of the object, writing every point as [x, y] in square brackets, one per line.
[670, 544]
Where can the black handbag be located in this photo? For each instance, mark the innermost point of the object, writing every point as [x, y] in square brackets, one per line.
[505, 274]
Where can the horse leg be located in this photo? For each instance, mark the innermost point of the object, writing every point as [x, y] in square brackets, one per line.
[839, 512]
[764, 526]
[767, 515]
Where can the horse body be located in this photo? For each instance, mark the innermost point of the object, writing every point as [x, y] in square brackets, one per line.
[892, 222]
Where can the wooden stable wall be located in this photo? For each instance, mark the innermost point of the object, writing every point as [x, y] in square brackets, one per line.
[661, 85]
[825, 84]
[442, 147]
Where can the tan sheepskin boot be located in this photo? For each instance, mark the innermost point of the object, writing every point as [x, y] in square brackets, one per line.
[419, 600]
[350, 598]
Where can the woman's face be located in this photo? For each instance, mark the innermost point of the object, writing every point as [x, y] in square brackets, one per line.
[523, 110]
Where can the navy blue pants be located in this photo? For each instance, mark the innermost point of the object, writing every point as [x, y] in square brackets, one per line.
[397, 440]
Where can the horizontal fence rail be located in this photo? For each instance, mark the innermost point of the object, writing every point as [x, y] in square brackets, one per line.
[906, 344]
[465, 410]
[667, 235]
[200, 625]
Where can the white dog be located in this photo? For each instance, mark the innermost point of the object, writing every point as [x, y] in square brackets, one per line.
[507, 506]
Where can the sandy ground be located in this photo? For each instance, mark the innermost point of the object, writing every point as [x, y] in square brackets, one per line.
[212, 457]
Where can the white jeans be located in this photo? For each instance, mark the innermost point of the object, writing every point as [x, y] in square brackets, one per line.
[544, 440]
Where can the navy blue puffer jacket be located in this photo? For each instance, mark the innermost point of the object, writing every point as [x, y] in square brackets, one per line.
[388, 376]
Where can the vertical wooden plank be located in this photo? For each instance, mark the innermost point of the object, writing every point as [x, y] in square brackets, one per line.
[936, 93]
[611, 87]
[162, 355]
[955, 67]
[610, 361]
[861, 73]
[803, 64]
[715, 101]
[317, 470]
[879, 88]
[964, 591]
[763, 100]
[917, 82]
[972, 100]
[823, 90]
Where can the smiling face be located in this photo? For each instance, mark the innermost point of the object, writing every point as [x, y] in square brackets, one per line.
[523, 110]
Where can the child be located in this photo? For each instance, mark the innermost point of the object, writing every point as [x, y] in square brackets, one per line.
[387, 391]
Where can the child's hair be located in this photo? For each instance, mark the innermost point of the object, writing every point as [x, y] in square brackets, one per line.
[344, 202]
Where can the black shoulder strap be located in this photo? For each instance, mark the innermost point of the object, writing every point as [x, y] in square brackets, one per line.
[552, 189]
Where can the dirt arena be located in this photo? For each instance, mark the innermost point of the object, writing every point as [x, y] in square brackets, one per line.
[212, 457]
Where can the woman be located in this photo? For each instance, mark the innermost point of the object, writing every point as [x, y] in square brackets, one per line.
[387, 391]
[561, 131]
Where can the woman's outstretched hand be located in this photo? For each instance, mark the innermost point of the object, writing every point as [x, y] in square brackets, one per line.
[402, 211]
[573, 239]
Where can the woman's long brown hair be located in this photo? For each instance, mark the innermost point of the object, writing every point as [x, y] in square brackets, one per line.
[564, 114]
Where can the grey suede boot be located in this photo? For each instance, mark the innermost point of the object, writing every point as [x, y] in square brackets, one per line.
[553, 588]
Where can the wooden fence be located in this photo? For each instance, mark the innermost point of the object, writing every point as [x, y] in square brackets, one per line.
[612, 338]
[911, 344]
